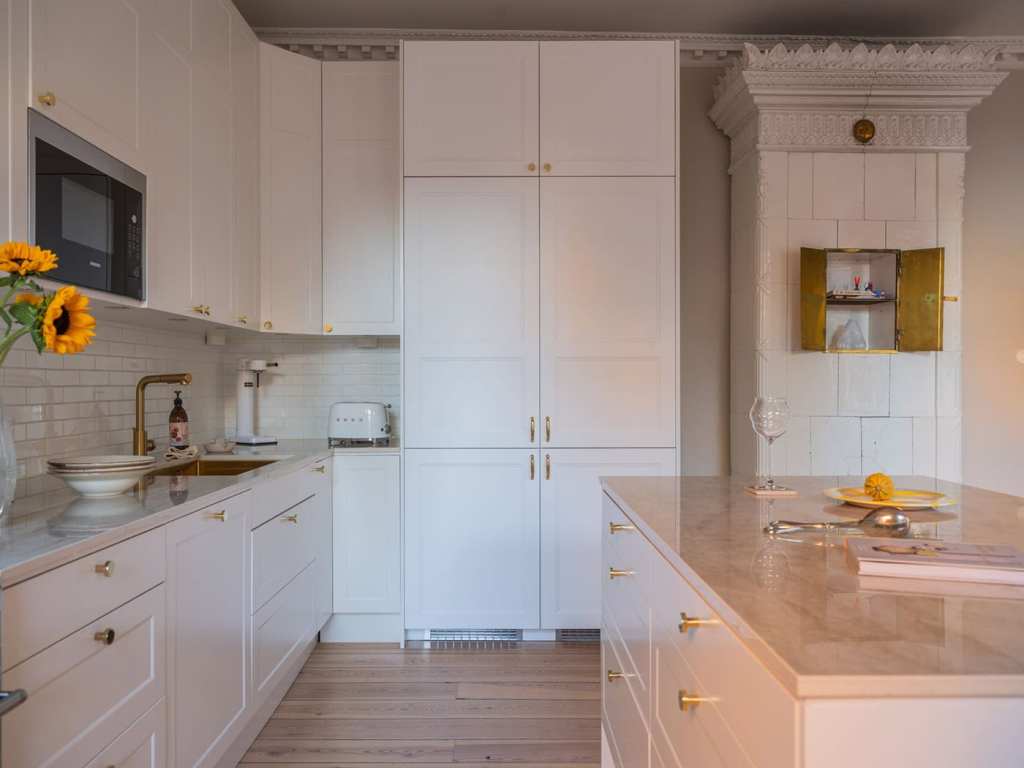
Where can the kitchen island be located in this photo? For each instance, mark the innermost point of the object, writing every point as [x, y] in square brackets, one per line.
[743, 649]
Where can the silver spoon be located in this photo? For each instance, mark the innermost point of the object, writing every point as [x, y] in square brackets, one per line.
[892, 521]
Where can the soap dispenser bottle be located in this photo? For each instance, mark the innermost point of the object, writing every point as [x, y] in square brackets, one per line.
[178, 423]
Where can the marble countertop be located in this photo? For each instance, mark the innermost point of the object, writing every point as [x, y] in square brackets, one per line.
[800, 608]
[74, 527]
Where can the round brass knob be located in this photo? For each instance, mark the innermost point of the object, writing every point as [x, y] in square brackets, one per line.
[267, 325]
[105, 636]
[48, 99]
[106, 569]
[328, 328]
[243, 319]
[531, 167]
[547, 167]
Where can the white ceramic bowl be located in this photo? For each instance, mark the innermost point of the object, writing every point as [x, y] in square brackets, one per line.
[102, 485]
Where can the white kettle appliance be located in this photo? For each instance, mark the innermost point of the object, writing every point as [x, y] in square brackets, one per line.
[359, 424]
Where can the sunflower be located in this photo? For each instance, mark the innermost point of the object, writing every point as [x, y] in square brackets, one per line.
[29, 298]
[67, 324]
[23, 259]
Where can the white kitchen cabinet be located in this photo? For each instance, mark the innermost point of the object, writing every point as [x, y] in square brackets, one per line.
[471, 324]
[144, 745]
[85, 70]
[323, 543]
[608, 108]
[472, 539]
[245, 146]
[570, 527]
[361, 178]
[208, 613]
[608, 312]
[291, 259]
[471, 108]
[367, 534]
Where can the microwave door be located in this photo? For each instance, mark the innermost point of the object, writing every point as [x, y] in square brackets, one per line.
[75, 220]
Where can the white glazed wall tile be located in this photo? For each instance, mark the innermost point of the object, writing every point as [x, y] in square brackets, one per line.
[794, 448]
[775, 167]
[771, 373]
[795, 318]
[801, 186]
[924, 447]
[742, 379]
[908, 235]
[950, 239]
[949, 450]
[835, 446]
[776, 318]
[951, 185]
[952, 313]
[927, 189]
[838, 185]
[913, 384]
[742, 445]
[948, 400]
[808, 233]
[811, 383]
[864, 385]
[862, 234]
[887, 445]
[889, 186]
[777, 234]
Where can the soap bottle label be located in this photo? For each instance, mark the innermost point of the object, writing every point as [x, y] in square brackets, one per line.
[179, 434]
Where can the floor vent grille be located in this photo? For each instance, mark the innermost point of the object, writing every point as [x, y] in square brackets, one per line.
[474, 638]
[579, 636]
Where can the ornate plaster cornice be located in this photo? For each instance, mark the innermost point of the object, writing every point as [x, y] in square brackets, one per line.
[807, 98]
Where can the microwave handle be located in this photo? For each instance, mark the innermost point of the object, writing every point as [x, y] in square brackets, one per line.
[11, 700]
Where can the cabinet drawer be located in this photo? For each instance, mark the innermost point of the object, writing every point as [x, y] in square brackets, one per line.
[636, 681]
[77, 593]
[281, 547]
[287, 490]
[627, 733]
[698, 736]
[626, 596]
[280, 629]
[144, 745]
[758, 710]
[83, 692]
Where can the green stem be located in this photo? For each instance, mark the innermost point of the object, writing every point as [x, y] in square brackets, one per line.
[10, 341]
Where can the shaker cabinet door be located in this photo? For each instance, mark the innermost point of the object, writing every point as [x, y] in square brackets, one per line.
[608, 317]
[607, 108]
[471, 331]
[470, 108]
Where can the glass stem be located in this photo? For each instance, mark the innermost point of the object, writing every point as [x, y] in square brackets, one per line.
[770, 481]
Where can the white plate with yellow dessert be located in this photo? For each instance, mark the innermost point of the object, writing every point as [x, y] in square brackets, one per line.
[909, 499]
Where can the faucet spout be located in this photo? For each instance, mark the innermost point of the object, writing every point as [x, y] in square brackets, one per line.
[141, 444]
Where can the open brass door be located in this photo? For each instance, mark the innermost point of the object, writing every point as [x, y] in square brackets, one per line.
[919, 300]
[813, 287]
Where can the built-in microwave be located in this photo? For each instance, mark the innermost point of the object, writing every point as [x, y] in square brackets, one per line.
[87, 207]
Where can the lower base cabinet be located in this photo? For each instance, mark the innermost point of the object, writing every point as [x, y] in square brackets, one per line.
[144, 745]
[208, 579]
[280, 629]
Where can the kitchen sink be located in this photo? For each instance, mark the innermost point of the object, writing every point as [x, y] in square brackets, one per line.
[212, 467]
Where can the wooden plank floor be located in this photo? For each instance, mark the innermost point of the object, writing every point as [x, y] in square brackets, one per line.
[531, 705]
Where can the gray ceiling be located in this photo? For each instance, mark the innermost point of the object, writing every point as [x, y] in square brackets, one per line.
[813, 17]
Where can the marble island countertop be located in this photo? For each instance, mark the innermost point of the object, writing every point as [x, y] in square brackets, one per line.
[799, 607]
[73, 527]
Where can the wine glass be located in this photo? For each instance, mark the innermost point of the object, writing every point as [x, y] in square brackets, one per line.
[769, 417]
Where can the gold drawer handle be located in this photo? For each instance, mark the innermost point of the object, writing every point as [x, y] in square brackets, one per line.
[243, 319]
[221, 516]
[614, 528]
[533, 428]
[320, 468]
[547, 429]
[106, 636]
[547, 466]
[290, 519]
[951, 298]
[613, 676]
[615, 573]
[533, 467]
[687, 623]
[48, 99]
[105, 569]
[688, 701]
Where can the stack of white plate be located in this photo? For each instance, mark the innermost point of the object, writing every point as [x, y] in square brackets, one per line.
[97, 477]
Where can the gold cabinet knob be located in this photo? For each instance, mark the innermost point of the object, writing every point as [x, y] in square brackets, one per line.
[616, 573]
[328, 328]
[48, 99]
[290, 519]
[267, 325]
[613, 676]
[219, 516]
[687, 623]
[320, 468]
[105, 636]
[614, 528]
[547, 167]
[243, 319]
[688, 701]
[105, 569]
[531, 167]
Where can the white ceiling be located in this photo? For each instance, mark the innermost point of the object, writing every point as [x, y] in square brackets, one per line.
[897, 18]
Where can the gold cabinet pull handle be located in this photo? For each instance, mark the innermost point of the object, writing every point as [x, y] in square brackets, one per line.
[48, 99]
[688, 701]
[105, 569]
[613, 676]
[547, 167]
[105, 636]
[687, 623]
[547, 429]
[267, 325]
[290, 519]
[320, 468]
[328, 328]
[547, 466]
[533, 428]
[616, 573]
[199, 309]
[614, 528]
[951, 298]
[243, 319]
[221, 516]
[533, 467]
[531, 167]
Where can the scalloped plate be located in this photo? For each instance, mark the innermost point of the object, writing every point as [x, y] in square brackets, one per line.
[909, 499]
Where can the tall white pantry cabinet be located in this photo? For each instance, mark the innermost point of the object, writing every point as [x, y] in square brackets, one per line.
[539, 344]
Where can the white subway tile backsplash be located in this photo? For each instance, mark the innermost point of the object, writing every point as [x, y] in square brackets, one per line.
[863, 385]
[887, 445]
[889, 186]
[838, 185]
[913, 384]
[835, 446]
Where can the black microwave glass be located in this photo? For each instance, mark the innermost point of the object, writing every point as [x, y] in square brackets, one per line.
[87, 207]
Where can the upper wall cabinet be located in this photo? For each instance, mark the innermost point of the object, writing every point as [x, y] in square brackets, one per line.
[245, 233]
[85, 70]
[291, 259]
[608, 108]
[361, 178]
[470, 108]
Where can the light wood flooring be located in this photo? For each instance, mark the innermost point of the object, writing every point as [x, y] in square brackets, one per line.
[532, 705]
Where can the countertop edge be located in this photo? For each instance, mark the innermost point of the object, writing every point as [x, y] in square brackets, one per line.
[807, 687]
